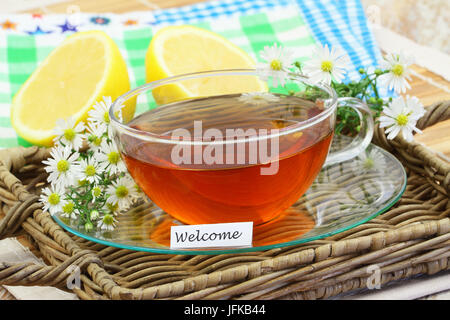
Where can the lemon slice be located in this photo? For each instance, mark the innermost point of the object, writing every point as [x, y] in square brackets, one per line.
[177, 50]
[84, 68]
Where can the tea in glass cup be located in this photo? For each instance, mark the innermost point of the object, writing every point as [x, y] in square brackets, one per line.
[231, 156]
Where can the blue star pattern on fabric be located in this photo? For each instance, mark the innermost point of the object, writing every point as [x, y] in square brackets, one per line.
[38, 31]
[68, 27]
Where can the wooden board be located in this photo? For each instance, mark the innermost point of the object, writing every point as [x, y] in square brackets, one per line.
[436, 137]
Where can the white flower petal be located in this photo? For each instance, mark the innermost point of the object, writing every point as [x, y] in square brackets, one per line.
[407, 134]
[334, 57]
[394, 131]
[283, 56]
[393, 80]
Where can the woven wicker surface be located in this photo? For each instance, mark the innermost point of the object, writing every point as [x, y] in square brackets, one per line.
[412, 238]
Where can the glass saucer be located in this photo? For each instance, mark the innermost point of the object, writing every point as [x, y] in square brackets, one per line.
[342, 197]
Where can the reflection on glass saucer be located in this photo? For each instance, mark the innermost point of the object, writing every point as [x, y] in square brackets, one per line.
[342, 197]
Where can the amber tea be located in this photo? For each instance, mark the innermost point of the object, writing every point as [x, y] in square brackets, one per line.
[228, 160]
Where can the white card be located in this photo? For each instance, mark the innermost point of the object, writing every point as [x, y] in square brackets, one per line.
[238, 234]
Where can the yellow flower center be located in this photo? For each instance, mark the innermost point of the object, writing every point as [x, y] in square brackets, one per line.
[402, 120]
[106, 117]
[69, 134]
[113, 157]
[97, 192]
[63, 165]
[326, 66]
[94, 214]
[369, 163]
[276, 65]
[90, 170]
[397, 70]
[95, 140]
[112, 207]
[108, 219]
[121, 192]
[88, 226]
[53, 199]
[138, 189]
[68, 207]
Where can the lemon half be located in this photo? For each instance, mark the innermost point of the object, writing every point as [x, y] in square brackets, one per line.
[79, 72]
[177, 50]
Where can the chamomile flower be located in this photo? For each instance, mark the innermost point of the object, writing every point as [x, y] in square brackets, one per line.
[139, 193]
[89, 170]
[68, 210]
[107, 222]
[398, 73]
[277, 63]
[69, 133]
[110, 159]
[96, 192]
[99, 115]
[401, 116]
[112, 208]
[62, 166]
[326, 65]
[371, 160]
[414, 104]
[94, 215]
[88, 226]
[53, 199]
[95, 134]
[258, 98]
[122, 191]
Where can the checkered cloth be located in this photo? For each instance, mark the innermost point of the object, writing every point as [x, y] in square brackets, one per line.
[343, 23]
[250, 24]
[337, 23]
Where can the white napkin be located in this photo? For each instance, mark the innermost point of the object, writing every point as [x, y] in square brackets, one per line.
[12, 251]
[430, 58]
[434, 287]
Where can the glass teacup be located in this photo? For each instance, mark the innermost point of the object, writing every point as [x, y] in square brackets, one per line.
[205, 151]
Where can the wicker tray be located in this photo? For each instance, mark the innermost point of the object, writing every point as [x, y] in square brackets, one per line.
[412, 238]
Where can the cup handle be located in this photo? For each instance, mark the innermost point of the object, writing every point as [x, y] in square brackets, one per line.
[362, 140]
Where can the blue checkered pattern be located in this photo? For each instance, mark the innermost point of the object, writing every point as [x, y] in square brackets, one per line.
[212, 9]
[334, 22]
[337, 23]
[342, 23]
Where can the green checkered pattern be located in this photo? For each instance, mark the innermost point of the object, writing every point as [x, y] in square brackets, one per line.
[21, 54]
